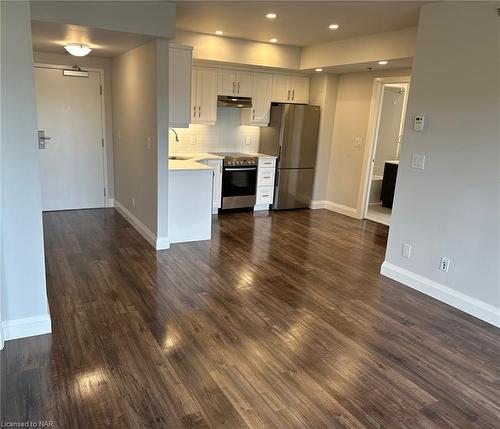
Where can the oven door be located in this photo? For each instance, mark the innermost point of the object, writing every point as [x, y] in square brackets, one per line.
[238, 187]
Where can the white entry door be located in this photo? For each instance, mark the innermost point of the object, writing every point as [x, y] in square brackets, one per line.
[72, 166]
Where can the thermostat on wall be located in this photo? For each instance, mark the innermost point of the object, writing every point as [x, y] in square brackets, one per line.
[418, 123]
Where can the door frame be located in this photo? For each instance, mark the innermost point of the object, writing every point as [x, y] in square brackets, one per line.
[372, 134]
[107, 199]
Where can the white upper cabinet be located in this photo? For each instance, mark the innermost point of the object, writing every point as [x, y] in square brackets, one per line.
[227, 82]
[244, 83]
[281, 88]
[179, 86]
[300, 89]
[290, 89]
[232, 82]
[204, 95]
[261, 101]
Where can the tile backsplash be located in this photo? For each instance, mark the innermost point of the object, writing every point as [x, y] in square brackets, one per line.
[227, 135]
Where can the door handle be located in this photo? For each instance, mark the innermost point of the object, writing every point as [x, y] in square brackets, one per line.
[293, 94]
[194, 112]
[199, 112]
[41, 139]
[234, 87]
[238, 87]
[253, 114]
[288, 98]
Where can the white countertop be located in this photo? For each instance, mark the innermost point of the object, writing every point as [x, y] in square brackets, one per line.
[193, 163]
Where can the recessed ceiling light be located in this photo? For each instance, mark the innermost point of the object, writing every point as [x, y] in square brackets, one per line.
[219, 32]
[273, 40]
[383, 62]
[333, 26]
[78, 49]
[319, 70]
[271, 15]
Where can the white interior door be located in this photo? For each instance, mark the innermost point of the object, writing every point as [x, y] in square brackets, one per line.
[72, 165]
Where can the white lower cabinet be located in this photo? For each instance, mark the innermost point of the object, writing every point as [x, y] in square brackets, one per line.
[265, 195]
[216, 164]
[265, 183]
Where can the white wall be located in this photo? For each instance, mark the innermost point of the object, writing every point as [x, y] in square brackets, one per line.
[91, 62]
[24, 299]
[140, 118]
[352, 114]
[390, 45]
[323, 92]
[452, 207]
[227, 135]
[238, 51]
[154, 18]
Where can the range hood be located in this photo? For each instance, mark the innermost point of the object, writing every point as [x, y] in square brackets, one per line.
[234, 101]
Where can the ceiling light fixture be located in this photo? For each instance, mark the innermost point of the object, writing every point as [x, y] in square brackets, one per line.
[383, 62]
[219, 32]
[271, 15]
[78, 49]
[333, 26]
[318, 70]
[273, 40]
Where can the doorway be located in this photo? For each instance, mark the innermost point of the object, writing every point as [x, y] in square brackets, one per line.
[387, 134]
[71, 141]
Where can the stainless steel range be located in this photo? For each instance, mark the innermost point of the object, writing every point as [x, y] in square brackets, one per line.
[239, 180]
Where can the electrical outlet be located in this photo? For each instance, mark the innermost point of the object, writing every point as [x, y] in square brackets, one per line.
[358, 141]
[444, 264]
[418, 161]
[133, 202]
[406, 253]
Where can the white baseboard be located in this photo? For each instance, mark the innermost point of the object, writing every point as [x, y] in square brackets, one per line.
[26, 327]
[335, 207]
[261, 207]
[162, 243]
[110, 202]
[318, 204]
[467, 304]
[159, 243]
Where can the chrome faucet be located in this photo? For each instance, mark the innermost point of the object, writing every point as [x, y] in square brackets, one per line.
[176, 136]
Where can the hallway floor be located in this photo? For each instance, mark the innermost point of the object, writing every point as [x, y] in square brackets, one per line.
[282, 320]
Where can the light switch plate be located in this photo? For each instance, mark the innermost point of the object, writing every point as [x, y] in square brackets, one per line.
[358, 141]
[418, 161]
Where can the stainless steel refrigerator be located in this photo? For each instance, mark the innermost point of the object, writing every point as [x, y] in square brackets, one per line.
[292, 136]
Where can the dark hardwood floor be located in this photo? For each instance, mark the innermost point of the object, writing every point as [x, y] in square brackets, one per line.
[280, 321]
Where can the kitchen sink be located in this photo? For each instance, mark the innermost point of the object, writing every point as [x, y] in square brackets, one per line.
[179, 158]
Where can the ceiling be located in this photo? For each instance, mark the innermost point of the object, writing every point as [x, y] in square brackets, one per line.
[298, 23]
[51, 37]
